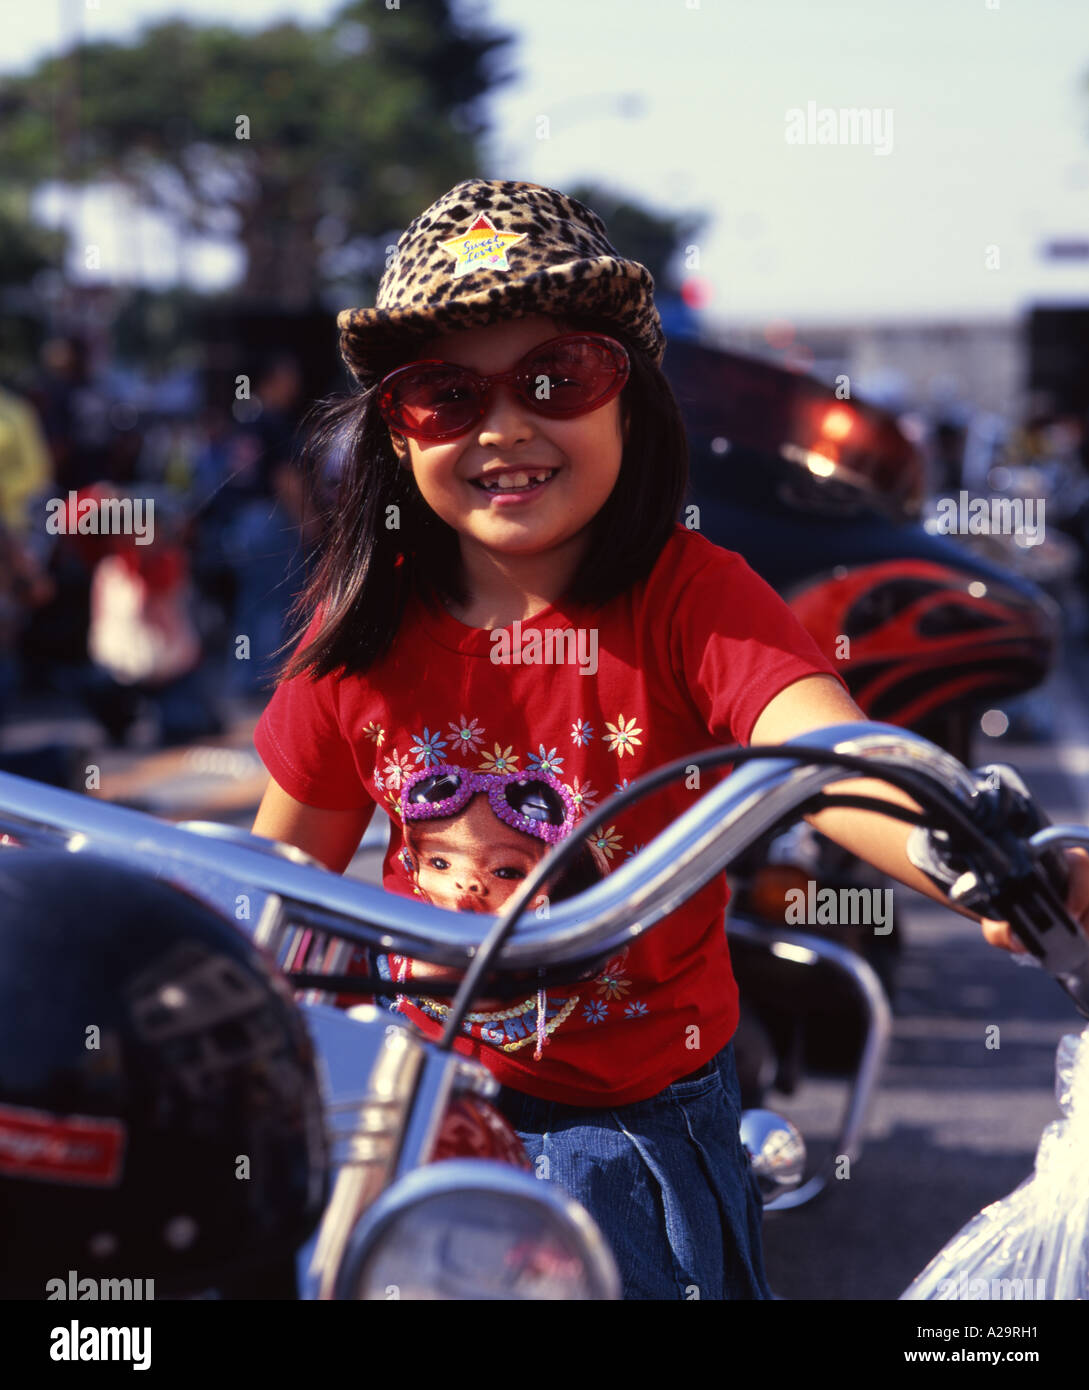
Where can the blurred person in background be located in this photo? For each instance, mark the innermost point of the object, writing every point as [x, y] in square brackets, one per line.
[26, 468]
[74, 412]
[273, 528]
[947, 457]
[143, 643]
[26, 473]
[214, 507]
[116, 630]
[86, 448]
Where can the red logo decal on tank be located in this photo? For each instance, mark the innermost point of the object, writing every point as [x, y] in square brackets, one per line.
[60, 1148]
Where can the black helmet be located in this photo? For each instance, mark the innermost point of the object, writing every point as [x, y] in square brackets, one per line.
[160, 1114]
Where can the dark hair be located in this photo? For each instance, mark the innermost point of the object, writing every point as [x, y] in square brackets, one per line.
[366, 571]
[588, 867]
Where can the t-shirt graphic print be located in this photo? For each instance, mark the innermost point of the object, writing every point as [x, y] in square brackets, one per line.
[484, 752]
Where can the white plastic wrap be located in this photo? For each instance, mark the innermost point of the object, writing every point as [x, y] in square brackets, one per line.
[1033, 1244]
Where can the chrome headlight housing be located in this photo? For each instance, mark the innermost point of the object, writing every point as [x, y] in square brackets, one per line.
[476, 1229]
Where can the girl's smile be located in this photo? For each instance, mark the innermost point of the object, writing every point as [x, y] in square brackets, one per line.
[514, 483]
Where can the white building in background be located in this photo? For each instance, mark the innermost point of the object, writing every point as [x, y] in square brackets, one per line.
[922, 365]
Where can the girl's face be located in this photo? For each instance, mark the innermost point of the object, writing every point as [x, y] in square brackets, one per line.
[472, 862]
[582, 454]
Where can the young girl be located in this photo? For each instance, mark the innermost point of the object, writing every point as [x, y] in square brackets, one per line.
[511, 474]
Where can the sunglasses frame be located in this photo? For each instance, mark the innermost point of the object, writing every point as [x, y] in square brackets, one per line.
[514, 378]
[495, 784]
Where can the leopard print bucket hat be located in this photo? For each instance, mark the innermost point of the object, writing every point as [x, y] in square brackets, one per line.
[498, 249]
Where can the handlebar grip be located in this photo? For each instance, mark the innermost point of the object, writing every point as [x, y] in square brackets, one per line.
[1052, 864]
[1033, 894]
[1035, 907]
[1075, 979]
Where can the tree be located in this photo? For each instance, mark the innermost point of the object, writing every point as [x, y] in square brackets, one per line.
[308, 145]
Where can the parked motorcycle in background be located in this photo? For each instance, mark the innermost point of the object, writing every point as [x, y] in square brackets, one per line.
[826, 499]
[1038, 474]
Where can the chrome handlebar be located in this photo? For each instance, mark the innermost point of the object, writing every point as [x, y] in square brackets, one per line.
[759, 795]
[609, 914]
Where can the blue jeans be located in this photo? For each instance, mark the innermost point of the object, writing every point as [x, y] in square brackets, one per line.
[667, 1181]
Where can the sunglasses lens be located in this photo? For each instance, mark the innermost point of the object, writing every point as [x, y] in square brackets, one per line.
[564, 378]
[536, 802]
[432, 789]
[431, 401]
[568, 378]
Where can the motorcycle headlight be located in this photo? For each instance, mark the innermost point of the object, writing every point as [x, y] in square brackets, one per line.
[476, 1229]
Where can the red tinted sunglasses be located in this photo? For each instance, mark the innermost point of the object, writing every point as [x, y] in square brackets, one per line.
[561, 378]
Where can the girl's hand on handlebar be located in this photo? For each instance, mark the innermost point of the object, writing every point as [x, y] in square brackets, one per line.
[1077, 904]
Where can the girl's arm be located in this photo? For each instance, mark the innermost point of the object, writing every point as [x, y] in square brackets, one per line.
[816, 702]
[332, 837]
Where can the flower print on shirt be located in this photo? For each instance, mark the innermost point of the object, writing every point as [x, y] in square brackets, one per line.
[621, 737]
[607, 840]
[375, 733]
[595, 1011]
[430, 747]
[397, 768]
[500, 760]
[636, 1009]
[583, 794]
[611, 983]
[544, 762]
[467, 737]
[581, 732]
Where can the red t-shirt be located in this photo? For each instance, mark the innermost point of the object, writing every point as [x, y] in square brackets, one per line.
[685, 660]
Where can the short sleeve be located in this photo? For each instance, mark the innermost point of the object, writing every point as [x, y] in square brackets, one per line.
[300, 740]
[736, 644]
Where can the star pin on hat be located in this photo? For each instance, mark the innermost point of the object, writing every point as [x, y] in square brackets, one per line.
[493, 249]
[482, 245]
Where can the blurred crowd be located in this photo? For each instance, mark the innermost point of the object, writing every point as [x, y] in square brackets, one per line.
[176, 623]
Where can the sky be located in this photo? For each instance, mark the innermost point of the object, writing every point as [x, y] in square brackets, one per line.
[967, 149]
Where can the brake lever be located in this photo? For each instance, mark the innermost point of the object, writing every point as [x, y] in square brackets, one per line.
[1027, 889]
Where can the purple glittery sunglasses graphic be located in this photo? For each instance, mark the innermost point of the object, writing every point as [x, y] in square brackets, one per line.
[533, 802]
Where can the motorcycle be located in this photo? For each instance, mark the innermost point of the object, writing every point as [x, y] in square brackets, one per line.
[423, 1165]
[825, 497]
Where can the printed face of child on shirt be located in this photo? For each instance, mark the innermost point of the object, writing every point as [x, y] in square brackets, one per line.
[472, 861]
